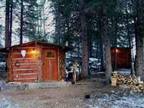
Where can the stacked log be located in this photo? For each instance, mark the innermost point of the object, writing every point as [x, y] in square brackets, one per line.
[131, 82]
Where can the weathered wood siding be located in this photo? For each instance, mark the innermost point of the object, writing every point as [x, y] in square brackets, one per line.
[42, 62]
[50, 63]
[25, 69]
[121, 57]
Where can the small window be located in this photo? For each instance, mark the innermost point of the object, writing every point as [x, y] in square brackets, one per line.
[50, 54]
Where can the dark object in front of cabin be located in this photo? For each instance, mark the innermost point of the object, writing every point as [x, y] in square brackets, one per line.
[69, 77]
[121, 58]
[36, 61]
[87, 96]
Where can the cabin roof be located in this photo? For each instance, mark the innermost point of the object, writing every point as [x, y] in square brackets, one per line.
[37, 43]
[120, 47]
[34, 43]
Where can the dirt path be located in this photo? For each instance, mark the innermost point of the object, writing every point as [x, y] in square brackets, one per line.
[66, 97]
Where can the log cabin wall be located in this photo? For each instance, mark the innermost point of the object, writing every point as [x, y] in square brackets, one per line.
[25, 69]
[121, 57]
[42, 62]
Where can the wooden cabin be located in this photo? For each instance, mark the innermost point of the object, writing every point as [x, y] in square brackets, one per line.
[35, 62]
[121, 58]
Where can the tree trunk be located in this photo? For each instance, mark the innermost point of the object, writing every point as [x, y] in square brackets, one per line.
[139, 51]
[21, 25]
[58, 35]
[139, 40]
[106, 45]
[85, 45]
[139, 54]
[7, 19]
[130, 43]
[115, 28]
[101, 43]
[11, 21]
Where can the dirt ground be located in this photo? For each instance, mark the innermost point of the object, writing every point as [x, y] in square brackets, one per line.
[66, 97]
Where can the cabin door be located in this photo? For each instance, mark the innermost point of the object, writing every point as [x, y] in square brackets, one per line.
[50, 66]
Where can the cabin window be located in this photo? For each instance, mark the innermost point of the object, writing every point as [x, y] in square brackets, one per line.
[50, 54]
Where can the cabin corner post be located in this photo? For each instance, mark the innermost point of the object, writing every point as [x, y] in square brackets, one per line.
[62, 64]
[9, 78]
[9, 66]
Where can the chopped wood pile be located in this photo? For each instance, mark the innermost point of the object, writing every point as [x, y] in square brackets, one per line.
[132, 82]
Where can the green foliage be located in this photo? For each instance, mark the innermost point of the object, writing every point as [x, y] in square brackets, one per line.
[30, 18]
[70, 11]
[32, 28]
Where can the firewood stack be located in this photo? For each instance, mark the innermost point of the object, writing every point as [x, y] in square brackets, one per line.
[131, 82]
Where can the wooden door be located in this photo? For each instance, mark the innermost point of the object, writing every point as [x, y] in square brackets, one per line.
[50, 66]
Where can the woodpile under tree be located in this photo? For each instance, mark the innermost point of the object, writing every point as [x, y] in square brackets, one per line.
[129, 82]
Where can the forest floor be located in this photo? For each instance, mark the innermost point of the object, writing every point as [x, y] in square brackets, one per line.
[73, 96]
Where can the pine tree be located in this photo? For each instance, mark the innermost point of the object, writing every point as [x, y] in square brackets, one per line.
[8, 23]
[84, 37]
[139, 34]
